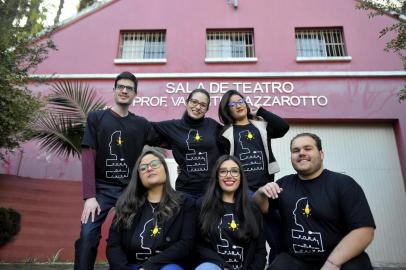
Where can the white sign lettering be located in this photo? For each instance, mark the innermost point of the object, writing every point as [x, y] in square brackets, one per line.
[257, 94]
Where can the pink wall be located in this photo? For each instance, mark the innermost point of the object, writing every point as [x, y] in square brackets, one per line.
[90, 45]
[335, 100]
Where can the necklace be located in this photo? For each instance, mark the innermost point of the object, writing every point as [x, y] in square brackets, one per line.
[153, 208]
[156, 230]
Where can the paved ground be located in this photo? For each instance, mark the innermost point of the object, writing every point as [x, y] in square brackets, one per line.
[27, 266]
[57, 266]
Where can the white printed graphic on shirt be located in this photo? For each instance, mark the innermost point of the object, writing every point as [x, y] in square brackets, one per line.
[233, 254]
[306, 242]
[116, 166]
[251, 161]
[148, 252]
[195, 161]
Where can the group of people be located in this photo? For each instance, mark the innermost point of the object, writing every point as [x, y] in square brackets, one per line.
[226, 204]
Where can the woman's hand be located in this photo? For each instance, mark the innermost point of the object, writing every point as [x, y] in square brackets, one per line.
[254, 110]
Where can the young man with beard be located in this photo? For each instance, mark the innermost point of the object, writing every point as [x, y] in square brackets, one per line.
[113, 140]
[326, 220]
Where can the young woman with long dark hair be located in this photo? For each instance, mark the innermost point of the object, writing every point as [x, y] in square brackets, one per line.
[230, 225]
[154, 226]
[247, 135]
[194, 144]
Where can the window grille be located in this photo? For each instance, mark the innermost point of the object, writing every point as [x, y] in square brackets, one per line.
[142, 45]
[320, 43]
[230, 44]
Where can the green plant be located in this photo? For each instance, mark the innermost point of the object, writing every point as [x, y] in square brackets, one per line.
[396, 32]
[60, 127]
[55, 257]
[10, 224]
[30, 260]
[20, 52]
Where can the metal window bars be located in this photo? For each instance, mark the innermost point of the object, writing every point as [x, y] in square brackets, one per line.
[142, 45]
[320, 43]
[230, 44]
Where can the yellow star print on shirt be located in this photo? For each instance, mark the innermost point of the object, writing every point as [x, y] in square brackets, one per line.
[155, 231]
[306, 210]
[198, 138]
[120, 141]
[250, 136]
[233, 225]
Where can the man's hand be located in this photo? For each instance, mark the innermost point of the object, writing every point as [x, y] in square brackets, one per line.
[271, 190]
[90, 208]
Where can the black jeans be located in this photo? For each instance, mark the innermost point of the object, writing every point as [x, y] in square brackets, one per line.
[273, 233]
[285, 261]
[90, 233]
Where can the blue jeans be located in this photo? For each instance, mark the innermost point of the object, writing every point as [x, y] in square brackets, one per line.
[171, 266]
[207, 266]
[90, 233]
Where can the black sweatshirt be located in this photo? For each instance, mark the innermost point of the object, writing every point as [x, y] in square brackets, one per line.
[195, 148]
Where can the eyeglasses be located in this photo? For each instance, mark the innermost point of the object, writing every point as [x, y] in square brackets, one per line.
[233, 172]
[240, 102]
[122, 87]
[195, 102]
[155, 164]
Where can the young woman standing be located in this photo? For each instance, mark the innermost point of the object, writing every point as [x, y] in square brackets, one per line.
[247, 135]
[194, 144]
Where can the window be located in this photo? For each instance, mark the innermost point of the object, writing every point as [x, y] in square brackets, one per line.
[230, 45]
[322, 44]
[142, 46]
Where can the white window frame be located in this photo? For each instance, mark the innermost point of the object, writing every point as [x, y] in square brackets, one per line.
[135, 46]
[320, 44]
[222, 46]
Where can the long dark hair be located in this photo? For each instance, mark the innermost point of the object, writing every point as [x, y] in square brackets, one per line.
[135, 195]
[224, 110]
[213, 208]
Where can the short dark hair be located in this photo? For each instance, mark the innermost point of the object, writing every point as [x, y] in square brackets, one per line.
[204, 92]
[129, 76]
[224, 110]
[311, 135]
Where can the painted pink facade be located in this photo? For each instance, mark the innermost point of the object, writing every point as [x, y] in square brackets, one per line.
[362, 90]
[89, 45]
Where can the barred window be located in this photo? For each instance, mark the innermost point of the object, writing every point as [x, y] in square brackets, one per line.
[230, 44]
[323, 43]
[142, 45]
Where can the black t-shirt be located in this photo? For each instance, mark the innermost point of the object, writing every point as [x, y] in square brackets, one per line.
[227, 244]
[318, 213]
[249, 149]
[195, 149]
[118, 142]
[147, 234]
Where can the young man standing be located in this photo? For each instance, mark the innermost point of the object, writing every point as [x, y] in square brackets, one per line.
[326, 220]
[113, 141]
